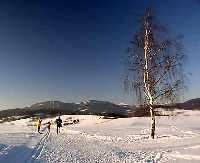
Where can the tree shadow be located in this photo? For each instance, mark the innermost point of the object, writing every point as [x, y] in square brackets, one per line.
[11, 154]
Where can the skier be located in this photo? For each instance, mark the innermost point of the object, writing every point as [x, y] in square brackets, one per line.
[39, 123]
[59, 124]
[49, 126]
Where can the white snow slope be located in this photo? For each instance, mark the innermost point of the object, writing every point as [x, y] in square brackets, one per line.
[103, 140]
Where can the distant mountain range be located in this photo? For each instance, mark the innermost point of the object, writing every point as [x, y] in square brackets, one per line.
[193, 104]
[91, 107]
[52, 108]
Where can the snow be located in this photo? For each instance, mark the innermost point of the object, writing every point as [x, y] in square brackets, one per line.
[95, 139]
[123, 104]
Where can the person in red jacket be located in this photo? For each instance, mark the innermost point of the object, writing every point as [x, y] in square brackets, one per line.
[49, 126]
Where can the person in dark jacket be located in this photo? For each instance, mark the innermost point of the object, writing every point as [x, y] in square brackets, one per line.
[59, 124]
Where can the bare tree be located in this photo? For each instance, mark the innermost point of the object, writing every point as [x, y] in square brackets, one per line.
[154, 66]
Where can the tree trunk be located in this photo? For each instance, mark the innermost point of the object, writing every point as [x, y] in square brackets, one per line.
[147, 48]
[153, 122]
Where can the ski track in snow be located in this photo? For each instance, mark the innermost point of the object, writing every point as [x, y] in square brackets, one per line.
[5, 150]
[104, 141]
[77, 148]
[19, 152]
[38, 148]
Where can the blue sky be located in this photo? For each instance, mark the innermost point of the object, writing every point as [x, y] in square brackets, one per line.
[72, 50]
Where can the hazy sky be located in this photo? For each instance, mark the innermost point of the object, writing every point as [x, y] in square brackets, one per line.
[70, 50]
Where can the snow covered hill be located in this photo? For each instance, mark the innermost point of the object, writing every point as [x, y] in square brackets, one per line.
[95, 139]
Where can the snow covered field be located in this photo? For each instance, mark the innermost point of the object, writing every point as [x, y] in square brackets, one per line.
[103, 140]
